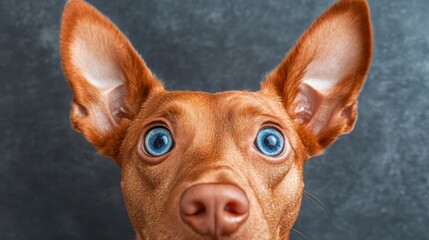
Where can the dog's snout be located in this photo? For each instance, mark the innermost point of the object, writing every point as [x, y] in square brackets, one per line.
[214, 209]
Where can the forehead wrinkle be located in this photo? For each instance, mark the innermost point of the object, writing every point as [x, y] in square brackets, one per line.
[255, 112]
[172, 112]
[243, 109]
[252, 99]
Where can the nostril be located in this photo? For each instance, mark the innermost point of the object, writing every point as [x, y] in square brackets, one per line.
[236, 208]
[234, 214]
[195, 208]
[231, 208]
[214, 209]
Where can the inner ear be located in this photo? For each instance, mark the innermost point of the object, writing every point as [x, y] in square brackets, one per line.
[114, 100]
[338, 51]
[93, 54]
[307, 102]
[94, 57]
[109, 79]
[337, 48]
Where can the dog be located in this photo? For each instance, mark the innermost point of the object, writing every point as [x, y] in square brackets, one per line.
[226, 165]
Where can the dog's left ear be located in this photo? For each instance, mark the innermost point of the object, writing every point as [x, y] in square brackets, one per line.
[320, 78]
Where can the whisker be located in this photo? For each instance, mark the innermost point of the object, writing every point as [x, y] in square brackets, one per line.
[284, 236]
[318, 202]
[299, 233]
[104, 201]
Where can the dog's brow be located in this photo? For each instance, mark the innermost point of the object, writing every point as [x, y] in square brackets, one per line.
[257, 112]
[172, 113]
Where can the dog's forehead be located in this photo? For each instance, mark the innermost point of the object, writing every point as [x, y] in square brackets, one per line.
[222, 105]
[240, 102]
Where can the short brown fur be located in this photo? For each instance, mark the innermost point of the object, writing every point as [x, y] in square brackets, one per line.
[214, 134]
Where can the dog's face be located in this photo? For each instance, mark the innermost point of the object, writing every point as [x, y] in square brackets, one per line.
[227, 165]
[214, 142]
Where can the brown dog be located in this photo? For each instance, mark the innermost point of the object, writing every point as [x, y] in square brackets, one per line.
[215, 166]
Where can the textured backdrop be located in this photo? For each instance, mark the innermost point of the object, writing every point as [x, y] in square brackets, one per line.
[371, 184]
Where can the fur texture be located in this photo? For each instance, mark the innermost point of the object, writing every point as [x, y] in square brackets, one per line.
[311, 98]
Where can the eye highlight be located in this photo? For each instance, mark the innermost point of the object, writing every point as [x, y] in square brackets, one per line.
[270, 142]
[158, 141]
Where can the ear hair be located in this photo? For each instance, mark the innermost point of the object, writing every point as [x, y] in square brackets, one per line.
[320, 78]
[108, 78]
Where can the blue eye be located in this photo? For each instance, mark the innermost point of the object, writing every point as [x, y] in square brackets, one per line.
[270, 142]
[158, 141]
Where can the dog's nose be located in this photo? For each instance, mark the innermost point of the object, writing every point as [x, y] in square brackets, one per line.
[214, 209]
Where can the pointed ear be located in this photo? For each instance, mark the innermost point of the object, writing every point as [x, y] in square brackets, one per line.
[108, 78]
[320, 78]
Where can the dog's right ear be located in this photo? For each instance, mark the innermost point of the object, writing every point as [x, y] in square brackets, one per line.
[108, 78]
[319, 80]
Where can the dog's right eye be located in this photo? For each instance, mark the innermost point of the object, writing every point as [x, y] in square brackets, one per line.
[270, 142]
[158, 141]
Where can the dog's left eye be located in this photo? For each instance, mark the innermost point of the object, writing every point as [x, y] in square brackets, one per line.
[270, 142]
[158, 141]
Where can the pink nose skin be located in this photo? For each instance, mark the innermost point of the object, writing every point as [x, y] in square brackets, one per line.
[214, 209]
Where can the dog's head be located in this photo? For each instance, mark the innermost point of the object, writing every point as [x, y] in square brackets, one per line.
[225, 165]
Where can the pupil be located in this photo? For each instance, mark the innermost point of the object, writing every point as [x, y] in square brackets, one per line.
[270, 141]
[160, 141]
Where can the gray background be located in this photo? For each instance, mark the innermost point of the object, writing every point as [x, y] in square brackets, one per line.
[371, 184]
